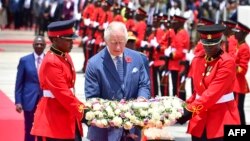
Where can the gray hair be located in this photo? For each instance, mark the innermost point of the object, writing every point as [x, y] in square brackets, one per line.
[113, 27]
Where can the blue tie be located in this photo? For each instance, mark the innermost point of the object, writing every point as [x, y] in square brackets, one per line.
[119, 67]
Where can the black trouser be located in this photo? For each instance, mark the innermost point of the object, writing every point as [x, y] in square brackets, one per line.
[175, 81]
[204, 138]
[240, 98]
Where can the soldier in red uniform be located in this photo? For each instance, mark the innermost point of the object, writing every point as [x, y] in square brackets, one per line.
[175, 52]
[165, 42]
[117, 14]
[130, 22]
[213, 79]
[230, 43]
[59, 113]
[141, 26]
[85, 32]
[156, 52]
[242, 59]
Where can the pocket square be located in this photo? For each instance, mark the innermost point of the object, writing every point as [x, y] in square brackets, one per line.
[134, 70]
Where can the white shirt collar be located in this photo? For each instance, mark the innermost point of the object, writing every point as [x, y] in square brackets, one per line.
[36, 56]
[112, 56]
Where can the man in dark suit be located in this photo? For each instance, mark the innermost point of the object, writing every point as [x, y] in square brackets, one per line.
[115, 73]
[27, 89]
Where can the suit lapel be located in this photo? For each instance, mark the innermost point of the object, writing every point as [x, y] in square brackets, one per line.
[127, 65]
[32, 64]
[110, 66]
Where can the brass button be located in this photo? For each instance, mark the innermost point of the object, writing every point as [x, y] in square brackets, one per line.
[200, 83]
[203, 74]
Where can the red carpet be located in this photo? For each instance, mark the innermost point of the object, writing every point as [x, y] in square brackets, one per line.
[11, 122]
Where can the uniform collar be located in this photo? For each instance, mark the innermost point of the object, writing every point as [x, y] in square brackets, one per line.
[57, 52]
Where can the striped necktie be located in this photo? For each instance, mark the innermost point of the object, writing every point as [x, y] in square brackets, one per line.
[119, 67]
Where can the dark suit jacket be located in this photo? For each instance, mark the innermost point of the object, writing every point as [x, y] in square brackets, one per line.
[102, 80]
[27, 88]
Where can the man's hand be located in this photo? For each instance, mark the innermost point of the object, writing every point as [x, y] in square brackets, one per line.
[19, 108]
[141, 99]
[185, 117]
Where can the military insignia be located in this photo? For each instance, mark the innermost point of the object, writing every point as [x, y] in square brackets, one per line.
[209, 36]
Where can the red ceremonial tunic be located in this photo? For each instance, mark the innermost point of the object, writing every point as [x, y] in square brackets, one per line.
[242, 60]
[57, 117]
[232, 45]
[180, 42]
[209, 88]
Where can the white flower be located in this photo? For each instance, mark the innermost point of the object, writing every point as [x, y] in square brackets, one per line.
[108, 109]
[140, 105]
[100, 115]
[111, 114]
[156, 116]
[89, 115]
[117, 111]
[117, 121]
[124, 107]
[99, 123]
[128, 125]
[97, 107]
[104, 122]
[127, 114]
[143, 112]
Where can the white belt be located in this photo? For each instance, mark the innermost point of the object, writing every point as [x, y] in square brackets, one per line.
[48, 93]
[223, 99]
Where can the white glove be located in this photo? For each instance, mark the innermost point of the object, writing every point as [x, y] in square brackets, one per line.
[95, 24]
[165, 73]
[168, 51]
[87, 22]
[151, 63]
[144, 43]
[102, 44]
[189, 56]
[183, 79]
[84, 39]
[92, 41]
[154, 42]
[105, 25]
[78, 16]
[185, 51]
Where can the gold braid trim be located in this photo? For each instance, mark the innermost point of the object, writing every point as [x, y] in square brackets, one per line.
[195, 109]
